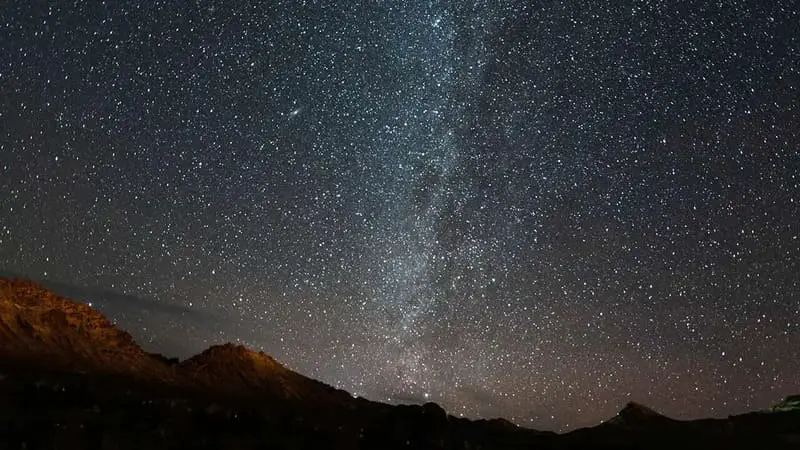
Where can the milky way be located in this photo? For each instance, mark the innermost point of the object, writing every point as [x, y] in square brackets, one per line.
[536, 210]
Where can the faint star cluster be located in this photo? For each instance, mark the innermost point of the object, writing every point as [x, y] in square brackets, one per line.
[535, 210]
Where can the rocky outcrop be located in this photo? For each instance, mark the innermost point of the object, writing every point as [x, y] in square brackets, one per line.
[38, 326]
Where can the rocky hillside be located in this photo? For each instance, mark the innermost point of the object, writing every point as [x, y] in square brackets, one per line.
[236, 369]
[70, 379]
[40, 327]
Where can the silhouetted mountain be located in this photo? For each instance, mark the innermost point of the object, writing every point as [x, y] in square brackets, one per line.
[636, 415]
[70, 379]
[40, 328]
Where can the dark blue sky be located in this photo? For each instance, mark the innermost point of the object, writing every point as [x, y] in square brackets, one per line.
[538, 211]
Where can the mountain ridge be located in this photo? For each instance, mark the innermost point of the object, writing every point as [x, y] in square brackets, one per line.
[36, 322]
[85, 365]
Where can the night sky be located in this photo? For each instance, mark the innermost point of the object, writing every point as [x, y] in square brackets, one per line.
[528, 209]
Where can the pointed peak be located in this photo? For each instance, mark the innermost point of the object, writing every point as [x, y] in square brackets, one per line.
[227, 348]
[638, 409]
[229, 353]
[637, 414]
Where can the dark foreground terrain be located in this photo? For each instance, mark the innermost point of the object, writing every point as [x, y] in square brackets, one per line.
[69, 379]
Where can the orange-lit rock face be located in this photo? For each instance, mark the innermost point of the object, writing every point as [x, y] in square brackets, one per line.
[43, 327]
[40, 327]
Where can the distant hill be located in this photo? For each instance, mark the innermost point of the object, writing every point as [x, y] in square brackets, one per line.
[70, 379]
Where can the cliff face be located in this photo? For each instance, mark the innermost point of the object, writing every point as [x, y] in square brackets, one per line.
[40, 327]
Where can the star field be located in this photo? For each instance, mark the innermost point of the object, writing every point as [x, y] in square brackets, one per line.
[535, 210]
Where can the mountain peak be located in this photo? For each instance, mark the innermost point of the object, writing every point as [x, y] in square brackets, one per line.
[39, 327]
[233, 356]
[637, 414]
[637, 409]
